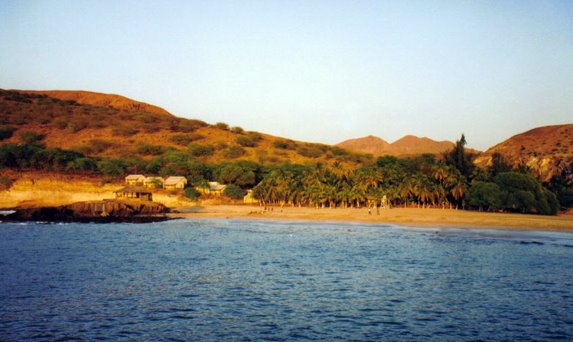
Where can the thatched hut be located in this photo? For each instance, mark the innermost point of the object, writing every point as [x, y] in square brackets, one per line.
[134, 192]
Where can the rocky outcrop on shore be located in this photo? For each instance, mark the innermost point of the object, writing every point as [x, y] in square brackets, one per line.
[94, 211]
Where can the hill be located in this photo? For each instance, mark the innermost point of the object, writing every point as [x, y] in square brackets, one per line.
[103, 100]
[406, 146]
[113, 126]
[547, 151]
[370, 144]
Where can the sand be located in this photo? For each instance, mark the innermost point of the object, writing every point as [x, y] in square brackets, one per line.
[413, 217]
[38, 189]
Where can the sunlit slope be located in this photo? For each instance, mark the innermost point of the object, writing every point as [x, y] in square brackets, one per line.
[115, 126]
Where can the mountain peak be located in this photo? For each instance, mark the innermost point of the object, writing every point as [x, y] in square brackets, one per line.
[369, 144]
[407, 145]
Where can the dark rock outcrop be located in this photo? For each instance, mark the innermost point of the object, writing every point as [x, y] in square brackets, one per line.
[94, 211]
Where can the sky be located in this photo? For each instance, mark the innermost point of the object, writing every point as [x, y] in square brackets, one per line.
[318, 71]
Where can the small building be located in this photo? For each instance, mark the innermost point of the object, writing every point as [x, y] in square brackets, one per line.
[135, 179]
[213, 188]
[134, 192]
[249, 199]
[153, 182]
[174, 183]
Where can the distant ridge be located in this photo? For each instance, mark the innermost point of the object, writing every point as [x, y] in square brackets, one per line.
[99, 99]
[407, 145]
[370, 144]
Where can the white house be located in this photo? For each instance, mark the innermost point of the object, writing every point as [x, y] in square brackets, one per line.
[174, 182]
[135, 179]
[215, 188]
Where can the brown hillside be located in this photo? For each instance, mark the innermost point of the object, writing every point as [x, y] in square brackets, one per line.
[103, 100]
[545, 150]
[116, 127]
[370, 144]
[412, 145]
[408, 145]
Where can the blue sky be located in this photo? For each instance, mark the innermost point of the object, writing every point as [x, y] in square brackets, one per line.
[321, 71]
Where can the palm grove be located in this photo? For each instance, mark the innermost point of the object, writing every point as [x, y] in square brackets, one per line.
[423, 181]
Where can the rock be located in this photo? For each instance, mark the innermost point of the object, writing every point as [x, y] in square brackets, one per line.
[94, 211]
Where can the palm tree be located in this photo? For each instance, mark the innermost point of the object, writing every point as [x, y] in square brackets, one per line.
[404, 191]
[458, 191]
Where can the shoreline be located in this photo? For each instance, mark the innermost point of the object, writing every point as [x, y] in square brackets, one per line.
[408, 217]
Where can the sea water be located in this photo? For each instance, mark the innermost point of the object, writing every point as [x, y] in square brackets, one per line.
[253, 280]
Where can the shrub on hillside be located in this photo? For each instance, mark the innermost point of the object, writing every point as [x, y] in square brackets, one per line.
[284, 144]
[6, 132]
[310, 151]
[187, 125]
[95, 146]
[245, 141]
[180, 139]
[150, 128]
[197, 150]
[150, 150]
[222, 125]
[124, 131]
[30, 137]
[237, 130]
[60, 123]
[234, 152]
[256, 136]
[77, 125]
[185, 139]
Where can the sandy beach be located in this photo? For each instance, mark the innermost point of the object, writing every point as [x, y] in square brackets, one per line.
[402, 216]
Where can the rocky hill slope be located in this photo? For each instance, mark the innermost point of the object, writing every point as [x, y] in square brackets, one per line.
[547, 151]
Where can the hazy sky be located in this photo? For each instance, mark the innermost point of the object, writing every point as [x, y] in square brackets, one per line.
[321, 71]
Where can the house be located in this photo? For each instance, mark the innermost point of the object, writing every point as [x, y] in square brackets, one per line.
[249, 199]
[214, 188]
[134, 192]
[153, 182]
[174, 182]
[135, 179]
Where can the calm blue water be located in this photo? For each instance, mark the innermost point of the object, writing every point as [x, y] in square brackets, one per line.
[244, 280]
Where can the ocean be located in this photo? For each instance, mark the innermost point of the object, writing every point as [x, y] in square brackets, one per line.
[241, 280]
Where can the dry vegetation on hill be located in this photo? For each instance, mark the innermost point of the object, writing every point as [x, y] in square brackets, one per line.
[114, 126]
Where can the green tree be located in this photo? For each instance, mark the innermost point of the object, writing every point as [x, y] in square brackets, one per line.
[460, 159]
[112, 167]
[191, 193]
[242, 174]
[233, 191]
[484, 195]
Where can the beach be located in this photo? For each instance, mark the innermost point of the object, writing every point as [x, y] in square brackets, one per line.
[418, 217]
